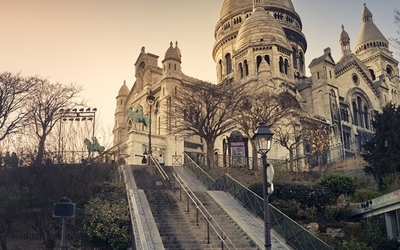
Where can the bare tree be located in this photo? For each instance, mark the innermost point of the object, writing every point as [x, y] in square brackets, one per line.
[289, 134]
[263, 106]
[44, 106]
[14, 90]
[317, 140]
[205, 110]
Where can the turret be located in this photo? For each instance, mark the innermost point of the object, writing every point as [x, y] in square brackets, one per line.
[172, 62]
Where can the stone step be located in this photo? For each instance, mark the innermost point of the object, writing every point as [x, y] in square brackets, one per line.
[183, 229]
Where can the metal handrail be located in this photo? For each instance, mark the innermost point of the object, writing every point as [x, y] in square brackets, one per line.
[200, 174]
[159, 168]
[207, 216]
[294, 234]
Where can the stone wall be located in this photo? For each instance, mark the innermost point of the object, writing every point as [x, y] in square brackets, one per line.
[354, 167]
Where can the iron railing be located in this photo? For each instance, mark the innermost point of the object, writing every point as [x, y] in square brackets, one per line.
[225, 240]
[159, 168]
[294, 234]
[200, 174]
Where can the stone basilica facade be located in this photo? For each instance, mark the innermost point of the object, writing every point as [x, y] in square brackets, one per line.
[261, 41]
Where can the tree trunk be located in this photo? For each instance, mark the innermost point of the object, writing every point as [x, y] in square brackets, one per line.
[210, 154]
[40, 153]
[254, 155]
[291, 160]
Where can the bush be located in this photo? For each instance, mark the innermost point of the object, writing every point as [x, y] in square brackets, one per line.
[106, 217]
[257, 188]
[290, 208]
[309, 196]
[337, 213]
[340, 184]
[362, 195]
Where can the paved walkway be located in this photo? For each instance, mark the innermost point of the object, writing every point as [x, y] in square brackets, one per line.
[253, 226]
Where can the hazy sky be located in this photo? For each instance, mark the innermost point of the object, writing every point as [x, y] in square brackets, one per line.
[95, 43]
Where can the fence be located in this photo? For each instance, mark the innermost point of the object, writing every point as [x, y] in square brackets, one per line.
[294, 234]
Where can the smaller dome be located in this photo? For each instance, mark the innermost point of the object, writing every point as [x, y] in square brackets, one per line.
[344, 36]
[172, 53]
[123, 91]
[261, 28]
[370, 35]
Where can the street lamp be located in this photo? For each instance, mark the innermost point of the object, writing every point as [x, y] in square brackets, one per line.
[150, 101]
[262, 141]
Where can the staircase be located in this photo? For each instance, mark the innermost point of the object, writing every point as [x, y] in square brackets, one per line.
[179, 224]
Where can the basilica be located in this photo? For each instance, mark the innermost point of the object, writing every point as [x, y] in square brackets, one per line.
[262, 41]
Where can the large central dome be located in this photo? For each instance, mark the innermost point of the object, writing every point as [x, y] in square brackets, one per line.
[230, 7]
[260, 27]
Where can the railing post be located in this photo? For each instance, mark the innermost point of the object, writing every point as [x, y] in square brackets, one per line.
[208, 231]
[187, 203]
[197, 216]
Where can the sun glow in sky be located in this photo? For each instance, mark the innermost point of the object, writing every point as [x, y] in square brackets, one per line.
[95, 43]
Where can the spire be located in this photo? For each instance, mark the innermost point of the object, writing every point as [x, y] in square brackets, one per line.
[345, 43]
[178, 51]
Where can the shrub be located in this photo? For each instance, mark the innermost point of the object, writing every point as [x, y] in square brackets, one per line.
[106, 217]
[340, 184]
[290, 208]
[257, 188]
[337, 213]
[362, 195]
[309, 196]
[310, 213]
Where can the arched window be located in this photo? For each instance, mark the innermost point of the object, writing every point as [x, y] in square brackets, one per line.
[266, 57]
[259, 60]
[241, 70]
[219, 71]
[286, 66]
[372, 74]
[294, 57]
[301, 62]
[355, 113]
[281, 65]
[361, 113]
[360, 118]
[228, 63]
[366, 118]
[334, 108]
[246, 68]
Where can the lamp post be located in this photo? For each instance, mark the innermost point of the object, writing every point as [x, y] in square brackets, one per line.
[262, 141]
[150, 101]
